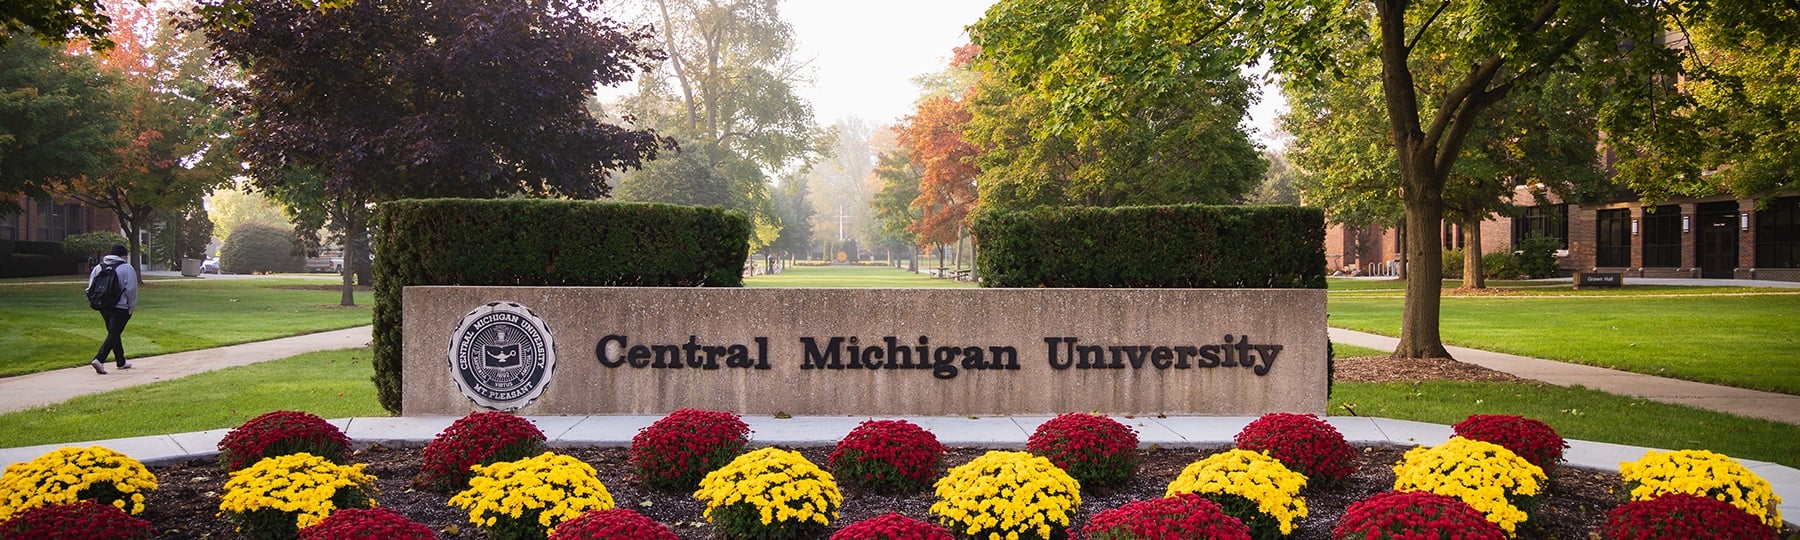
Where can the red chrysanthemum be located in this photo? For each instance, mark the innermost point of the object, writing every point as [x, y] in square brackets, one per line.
[892, 456]
[1303, 443]
[281, 433]
[678, 450]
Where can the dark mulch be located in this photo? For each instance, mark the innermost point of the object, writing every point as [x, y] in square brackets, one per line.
[1390, 369]
[187, 503]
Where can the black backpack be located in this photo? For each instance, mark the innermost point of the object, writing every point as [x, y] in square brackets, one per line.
[105, 290]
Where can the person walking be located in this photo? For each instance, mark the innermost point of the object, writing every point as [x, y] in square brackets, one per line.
[118, 314]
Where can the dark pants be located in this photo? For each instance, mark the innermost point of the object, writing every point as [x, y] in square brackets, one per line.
[115, 326]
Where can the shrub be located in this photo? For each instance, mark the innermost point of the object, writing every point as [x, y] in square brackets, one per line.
[1501, 265]
[481, 438]
[1303, 443]
[1181, 517]
[612, 524]
[276, 497]
[1531, 439]
[1703, 473]
[369, 524]
[1491, 479]
[1537, 257]
[254, 248]
[770, 494]
[80, 520]
[1097, 451]
[92, 244]
[1010, 494]
[890, 456]
[892, 526]
[1399, 515]
[524, 499]
[1453, 264]
[71, 474]
[1251, 486]
[1681, 515]
[1186, 246]
[280, 433]
[544, 243]
[681, 448]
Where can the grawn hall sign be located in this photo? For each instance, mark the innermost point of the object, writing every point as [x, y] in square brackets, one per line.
[602, 350]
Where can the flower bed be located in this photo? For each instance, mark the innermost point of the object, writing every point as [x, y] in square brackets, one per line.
[1028, 493]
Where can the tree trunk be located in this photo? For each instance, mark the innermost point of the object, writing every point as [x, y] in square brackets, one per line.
[353, 259]
[1419, 330]
[1473, 277]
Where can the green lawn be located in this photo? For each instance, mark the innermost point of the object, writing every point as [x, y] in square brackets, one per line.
[1748, 341]
[331, 384]
[1576, 413]
[873, 277]
[50, 326]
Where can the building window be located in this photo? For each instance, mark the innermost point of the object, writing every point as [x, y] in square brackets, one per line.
[1778, 234]
[1662, 237]
[9, 227]
[1453, 236]
[1612, 238]
[58, 221]
[1551, 221]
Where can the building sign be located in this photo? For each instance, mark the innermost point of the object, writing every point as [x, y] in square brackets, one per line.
[1595, 280]
[864, 351]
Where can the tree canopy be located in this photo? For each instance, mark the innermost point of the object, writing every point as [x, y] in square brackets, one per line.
[1133, 102]
[391, 98]
[58, 118]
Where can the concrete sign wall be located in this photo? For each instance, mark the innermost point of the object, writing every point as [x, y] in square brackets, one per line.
[602, 350]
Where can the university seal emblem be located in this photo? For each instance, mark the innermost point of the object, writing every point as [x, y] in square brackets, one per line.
[501, 356]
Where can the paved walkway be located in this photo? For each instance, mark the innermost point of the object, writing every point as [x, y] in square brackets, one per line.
[48, 387]
[1739, 401]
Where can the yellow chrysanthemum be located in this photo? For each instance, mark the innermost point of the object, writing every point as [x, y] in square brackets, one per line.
[1487, 476]
[1263, 480]
[1702, 473]
[303, 485]
[59, 476]
[782, 488]
[555, 487]
[1006, 495]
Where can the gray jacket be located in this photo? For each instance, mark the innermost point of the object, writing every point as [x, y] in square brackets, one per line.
[128, 278]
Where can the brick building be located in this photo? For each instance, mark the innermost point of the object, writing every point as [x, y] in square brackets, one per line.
[1719, 237]
[53, 220]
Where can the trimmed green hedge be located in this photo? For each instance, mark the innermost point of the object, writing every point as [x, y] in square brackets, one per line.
[1186, 246]
[543, 243]
[24, 258]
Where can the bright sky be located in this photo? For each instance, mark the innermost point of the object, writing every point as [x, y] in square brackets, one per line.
[865, 54]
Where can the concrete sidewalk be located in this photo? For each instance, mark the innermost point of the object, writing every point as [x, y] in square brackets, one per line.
[48, 387]
[816, 431]
[1726, 399]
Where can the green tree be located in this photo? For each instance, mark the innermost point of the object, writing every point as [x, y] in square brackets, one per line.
[1279, 182]
[1133, 102]
[1486, 51]
[892, 206]
[232, 208]
[795, 209]
[54, 21]
[1543, 134]
[705, 174]
[728, 81]
[58, 119]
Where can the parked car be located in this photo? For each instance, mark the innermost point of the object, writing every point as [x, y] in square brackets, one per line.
[209, 266]
[324, 264]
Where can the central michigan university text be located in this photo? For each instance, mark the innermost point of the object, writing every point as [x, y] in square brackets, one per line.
[943, 361]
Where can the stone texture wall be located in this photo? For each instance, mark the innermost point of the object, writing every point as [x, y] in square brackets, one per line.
[580, 318]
